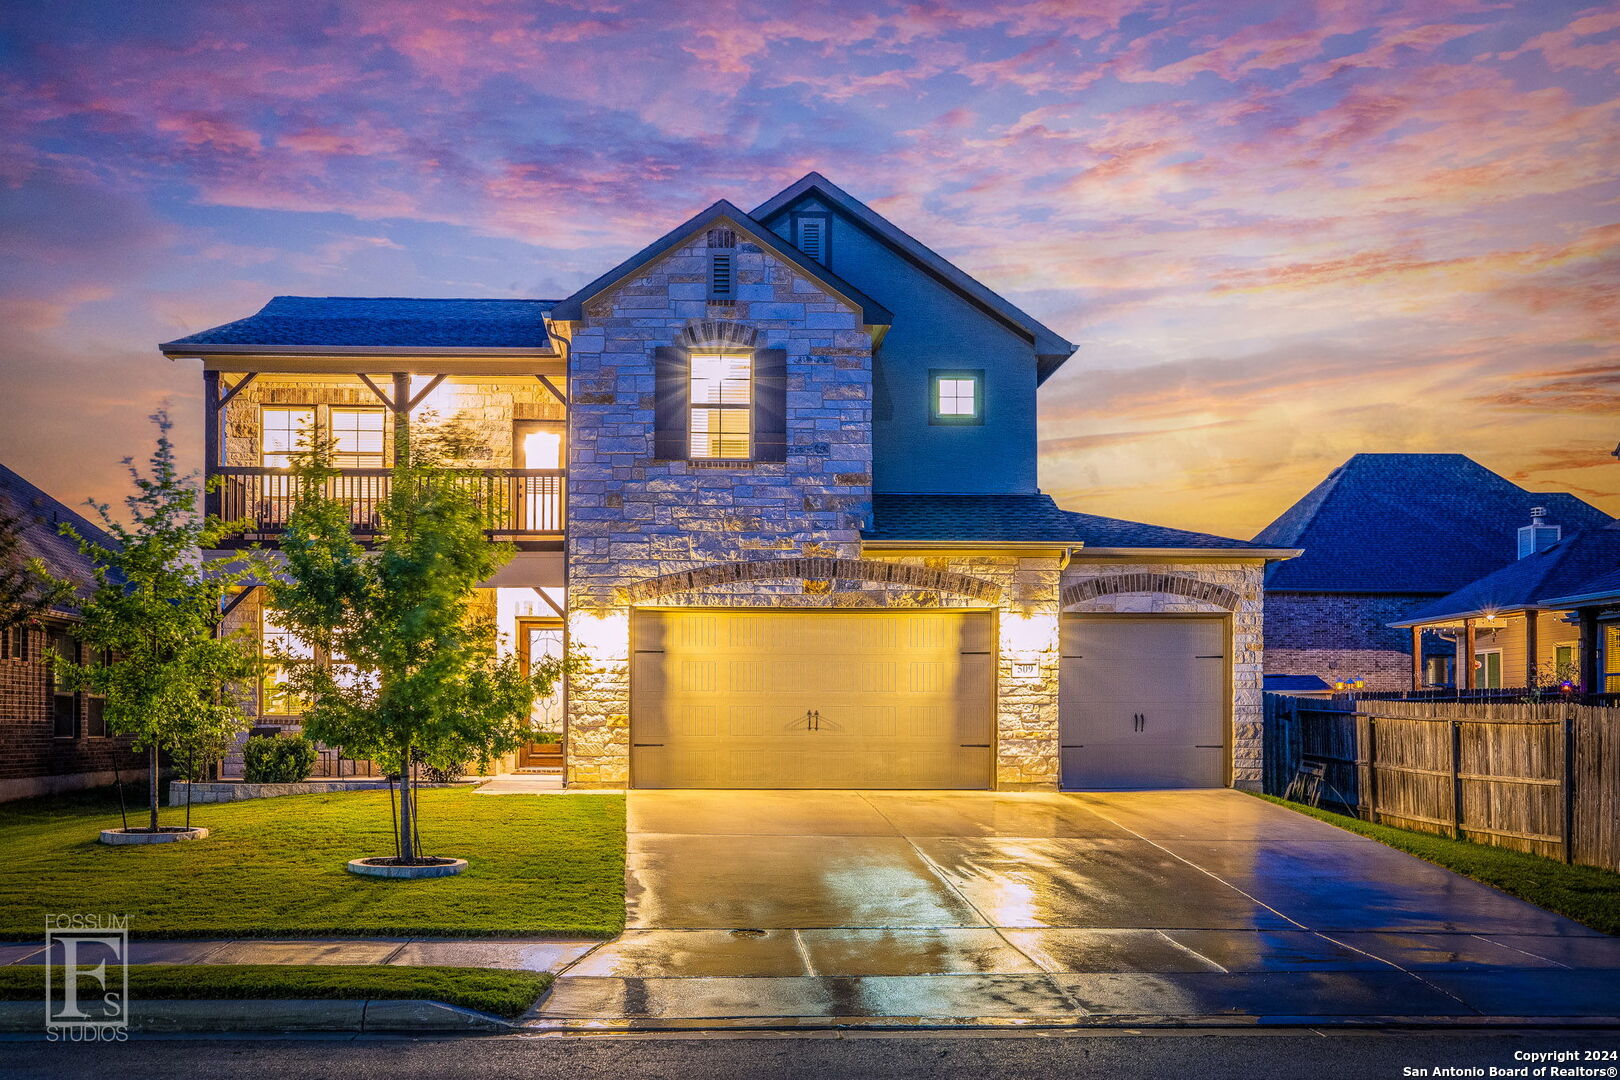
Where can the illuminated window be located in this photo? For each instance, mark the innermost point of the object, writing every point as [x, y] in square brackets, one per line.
[722, 405]
[1488, 669]
[956, 397]
[277, 644]
[357, 438]
[284, 431]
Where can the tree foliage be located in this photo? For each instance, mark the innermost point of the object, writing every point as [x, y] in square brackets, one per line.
[169, 679]
[406, 667]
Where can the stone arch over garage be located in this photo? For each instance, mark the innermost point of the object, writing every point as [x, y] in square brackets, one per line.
[1149, 582]
[813, 569]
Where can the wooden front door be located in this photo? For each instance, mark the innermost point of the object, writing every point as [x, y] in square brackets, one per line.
[540, 639]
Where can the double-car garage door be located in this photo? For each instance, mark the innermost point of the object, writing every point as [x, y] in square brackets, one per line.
[738, 698]
[734, 698]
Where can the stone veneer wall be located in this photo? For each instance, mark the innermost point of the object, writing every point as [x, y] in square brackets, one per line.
[479, 410]
[1173, 587]
[632, 517]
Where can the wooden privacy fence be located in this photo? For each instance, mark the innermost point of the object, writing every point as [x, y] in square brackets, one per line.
[1543, 778]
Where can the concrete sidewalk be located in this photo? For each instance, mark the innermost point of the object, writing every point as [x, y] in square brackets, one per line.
[543, 954]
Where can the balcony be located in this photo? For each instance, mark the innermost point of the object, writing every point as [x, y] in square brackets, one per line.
[525, 504]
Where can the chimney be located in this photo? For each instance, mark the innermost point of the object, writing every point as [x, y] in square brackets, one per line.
[1538, 535]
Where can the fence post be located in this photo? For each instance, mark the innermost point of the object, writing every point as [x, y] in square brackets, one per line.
[1456, 780]
[1371, 794]
[1569, 787]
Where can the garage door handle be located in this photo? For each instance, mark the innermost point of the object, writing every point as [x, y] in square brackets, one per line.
[975, 745]
[1073, 746]
[1202, 746]
[1215, 656]
[648, 744]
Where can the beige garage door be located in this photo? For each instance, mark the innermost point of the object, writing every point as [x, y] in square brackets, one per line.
[772, 699]
[1143, 702]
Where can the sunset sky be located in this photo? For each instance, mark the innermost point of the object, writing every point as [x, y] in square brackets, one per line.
[1281, 232]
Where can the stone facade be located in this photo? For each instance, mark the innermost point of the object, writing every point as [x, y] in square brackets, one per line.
[1232, 589]
[632, 517]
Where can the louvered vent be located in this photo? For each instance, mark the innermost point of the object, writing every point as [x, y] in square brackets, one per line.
[722, 276]
[813, 239]
[722, 238]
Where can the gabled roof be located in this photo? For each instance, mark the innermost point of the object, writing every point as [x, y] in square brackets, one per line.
[1565, 568]
[873, 313]
[930, 517]
[1050, 349]
[1410, 523]
[348, 322]
[38, 517]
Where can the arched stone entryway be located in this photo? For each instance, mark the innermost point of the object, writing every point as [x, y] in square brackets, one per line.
[813, 569]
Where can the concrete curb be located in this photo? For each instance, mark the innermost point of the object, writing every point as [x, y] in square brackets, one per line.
[282, 1015]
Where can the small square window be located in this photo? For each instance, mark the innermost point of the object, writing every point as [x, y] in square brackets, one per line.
[956, 397]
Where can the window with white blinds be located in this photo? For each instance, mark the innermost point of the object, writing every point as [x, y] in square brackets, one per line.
[357, 438]
[722, 403]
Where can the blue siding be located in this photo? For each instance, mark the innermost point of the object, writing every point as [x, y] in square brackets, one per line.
[935, 327]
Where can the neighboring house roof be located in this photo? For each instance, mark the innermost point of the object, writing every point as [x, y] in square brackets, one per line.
[1602, 589]
[1410, 523]
[926, 517]
[571, 309]
[349, 322]
[38, 517]
[1294, 684]
[1050, 349]
[1561, 569]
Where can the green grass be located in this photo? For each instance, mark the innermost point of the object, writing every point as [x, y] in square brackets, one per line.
[1584, 893]
[551, 864]
[503, 993]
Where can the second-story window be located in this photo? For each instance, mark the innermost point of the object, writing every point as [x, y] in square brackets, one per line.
[357, 438]
[284, 432]
[722, 402]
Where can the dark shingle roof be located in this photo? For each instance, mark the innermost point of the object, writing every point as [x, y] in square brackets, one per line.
[1094, 531]
[1603, 585]
[1560, 570]
[38, 518]
[1410, 523]
[1032, 518]
[969, 518]
[383, 322]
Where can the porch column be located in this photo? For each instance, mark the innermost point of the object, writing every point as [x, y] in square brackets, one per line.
[1531, 647]
[211, 439]
[1417, 658]
[1470, 677]
[1591, 643]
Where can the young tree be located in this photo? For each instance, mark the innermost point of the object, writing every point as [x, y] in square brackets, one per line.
[405, 670]
[169, 679]
[27, 591]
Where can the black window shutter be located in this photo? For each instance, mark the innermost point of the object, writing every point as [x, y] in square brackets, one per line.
[770, 404]
[672, 369]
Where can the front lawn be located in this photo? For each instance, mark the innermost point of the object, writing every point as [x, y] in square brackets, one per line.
[1583, 893]
[503, 993]
[551, 864]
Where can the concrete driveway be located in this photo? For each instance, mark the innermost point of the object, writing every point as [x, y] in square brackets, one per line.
[795, 908]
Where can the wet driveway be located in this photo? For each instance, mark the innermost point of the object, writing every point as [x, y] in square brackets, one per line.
[801, 908]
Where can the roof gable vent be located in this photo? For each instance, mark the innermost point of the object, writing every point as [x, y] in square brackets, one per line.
[1538, 535]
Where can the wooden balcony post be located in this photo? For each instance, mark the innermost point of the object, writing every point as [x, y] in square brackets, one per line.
[212, 439]
[402, 418]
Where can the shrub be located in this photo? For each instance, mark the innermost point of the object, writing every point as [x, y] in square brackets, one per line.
[277, 759]
[447, 775]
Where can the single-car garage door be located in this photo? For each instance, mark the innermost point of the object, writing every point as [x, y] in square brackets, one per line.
[772, 699]
[1143, 702]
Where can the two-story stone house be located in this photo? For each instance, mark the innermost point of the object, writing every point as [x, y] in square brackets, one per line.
[774, 478]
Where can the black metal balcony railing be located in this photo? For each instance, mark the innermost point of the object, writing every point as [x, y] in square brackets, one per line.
[521, 502]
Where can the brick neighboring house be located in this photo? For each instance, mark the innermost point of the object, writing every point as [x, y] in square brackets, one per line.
[51, 739]
[774, 478]
[1385, 535]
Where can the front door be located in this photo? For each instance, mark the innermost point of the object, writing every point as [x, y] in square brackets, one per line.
[541, 639]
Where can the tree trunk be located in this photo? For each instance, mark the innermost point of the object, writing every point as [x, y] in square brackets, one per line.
[407, 849]
[152, 784]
